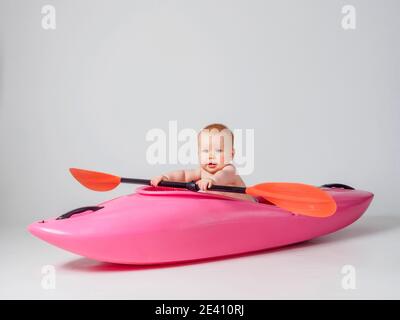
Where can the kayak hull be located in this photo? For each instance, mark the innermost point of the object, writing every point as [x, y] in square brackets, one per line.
[164, 225]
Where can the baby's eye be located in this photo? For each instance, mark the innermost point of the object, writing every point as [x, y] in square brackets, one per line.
[219, 150]
[204, 150]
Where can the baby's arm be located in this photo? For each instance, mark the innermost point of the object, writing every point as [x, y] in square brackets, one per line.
[178, 175]
[225, 176]
[183, 175]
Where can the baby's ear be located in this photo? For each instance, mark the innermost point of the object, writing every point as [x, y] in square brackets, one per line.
[232, 154]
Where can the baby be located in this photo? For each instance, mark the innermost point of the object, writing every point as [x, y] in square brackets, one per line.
[215, 148]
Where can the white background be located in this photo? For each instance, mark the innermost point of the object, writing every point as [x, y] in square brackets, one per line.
[323, 103]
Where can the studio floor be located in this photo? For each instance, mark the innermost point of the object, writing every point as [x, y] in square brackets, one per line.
[311, 270]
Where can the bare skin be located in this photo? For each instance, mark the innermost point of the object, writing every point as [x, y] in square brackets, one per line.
[215, 154]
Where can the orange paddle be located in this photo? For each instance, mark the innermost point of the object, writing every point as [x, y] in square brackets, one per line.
[298, 198]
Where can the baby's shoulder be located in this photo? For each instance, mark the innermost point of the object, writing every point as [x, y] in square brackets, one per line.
[229, 167]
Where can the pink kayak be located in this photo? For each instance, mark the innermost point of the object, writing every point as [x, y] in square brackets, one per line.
[164, 225]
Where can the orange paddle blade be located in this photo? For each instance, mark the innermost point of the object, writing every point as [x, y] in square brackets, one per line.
[97, 181]
[296, 197]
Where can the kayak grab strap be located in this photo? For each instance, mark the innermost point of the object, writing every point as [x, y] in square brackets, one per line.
[79, 210]
[337, 185]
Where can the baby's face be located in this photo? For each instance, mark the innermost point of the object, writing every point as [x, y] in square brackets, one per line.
[215, 150]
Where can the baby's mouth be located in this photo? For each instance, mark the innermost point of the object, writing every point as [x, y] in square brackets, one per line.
[211, 165]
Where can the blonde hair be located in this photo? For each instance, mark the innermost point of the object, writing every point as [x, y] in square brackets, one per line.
[219, 127]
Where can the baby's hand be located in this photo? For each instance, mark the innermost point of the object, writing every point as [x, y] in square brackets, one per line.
[156, 180]
[204, 184]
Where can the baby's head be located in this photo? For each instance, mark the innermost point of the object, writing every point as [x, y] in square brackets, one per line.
[215, 147]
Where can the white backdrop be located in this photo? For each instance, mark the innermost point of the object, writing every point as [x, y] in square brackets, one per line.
[323, 101]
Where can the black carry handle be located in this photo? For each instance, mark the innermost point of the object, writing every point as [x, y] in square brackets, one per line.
[337, 185]
[192, 186]
[69, 214]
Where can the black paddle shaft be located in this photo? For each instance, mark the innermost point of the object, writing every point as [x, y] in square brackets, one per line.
[192, 186]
